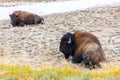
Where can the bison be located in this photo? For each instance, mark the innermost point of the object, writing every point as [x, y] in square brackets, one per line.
[20, 18]
[82, 46]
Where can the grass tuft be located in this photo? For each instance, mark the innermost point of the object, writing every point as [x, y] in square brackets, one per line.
[18, 72]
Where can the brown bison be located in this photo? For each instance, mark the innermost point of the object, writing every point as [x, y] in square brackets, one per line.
[20, 18]
[82, 46]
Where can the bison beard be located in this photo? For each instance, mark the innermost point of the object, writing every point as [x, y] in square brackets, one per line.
[20, 18]
[82, 46]
[67, 45]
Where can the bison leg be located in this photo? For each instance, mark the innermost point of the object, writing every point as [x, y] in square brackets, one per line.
[88, 63]
[13, 23]
[98, 65]
[21, 24]
[38, 20]
[90, 66]
[94, 66]
[76, 59]
[42, 21]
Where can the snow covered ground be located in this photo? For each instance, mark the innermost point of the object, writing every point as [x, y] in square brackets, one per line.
[55, 7]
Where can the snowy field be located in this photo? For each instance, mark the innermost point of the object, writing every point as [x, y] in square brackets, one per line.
[43, 8]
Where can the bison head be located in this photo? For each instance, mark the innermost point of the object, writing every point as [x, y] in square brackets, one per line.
[67, 45]
[14, 19]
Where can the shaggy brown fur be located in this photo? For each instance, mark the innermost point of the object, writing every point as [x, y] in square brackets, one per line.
[89, 48]
[83, 46]
[20, 18]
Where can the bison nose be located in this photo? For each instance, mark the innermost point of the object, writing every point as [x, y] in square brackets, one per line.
[67, 56]
[10, 15]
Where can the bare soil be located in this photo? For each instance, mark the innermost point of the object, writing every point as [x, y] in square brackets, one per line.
[38, 45]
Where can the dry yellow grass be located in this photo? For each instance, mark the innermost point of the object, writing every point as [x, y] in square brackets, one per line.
[109, 71]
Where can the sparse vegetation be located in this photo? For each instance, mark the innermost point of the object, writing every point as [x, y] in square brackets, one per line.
[104, 22]
[17, 72]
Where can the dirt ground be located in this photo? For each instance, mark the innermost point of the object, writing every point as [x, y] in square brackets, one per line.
[38, 45]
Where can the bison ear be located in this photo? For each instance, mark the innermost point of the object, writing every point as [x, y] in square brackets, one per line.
[69, 41]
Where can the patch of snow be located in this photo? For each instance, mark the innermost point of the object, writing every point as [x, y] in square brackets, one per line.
[55, 7]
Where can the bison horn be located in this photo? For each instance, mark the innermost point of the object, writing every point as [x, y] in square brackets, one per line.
[69, 40]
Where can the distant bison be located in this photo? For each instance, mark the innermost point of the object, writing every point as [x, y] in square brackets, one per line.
[82, 46]
[20, 18]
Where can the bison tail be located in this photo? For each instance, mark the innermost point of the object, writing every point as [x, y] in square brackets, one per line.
[103, 56]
